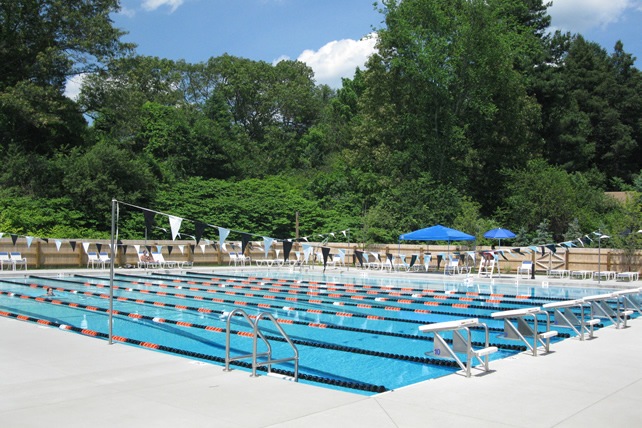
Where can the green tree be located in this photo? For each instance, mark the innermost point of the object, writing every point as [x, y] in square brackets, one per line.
[42, 44]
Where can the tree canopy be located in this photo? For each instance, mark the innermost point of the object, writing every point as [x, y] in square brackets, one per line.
[471, 113]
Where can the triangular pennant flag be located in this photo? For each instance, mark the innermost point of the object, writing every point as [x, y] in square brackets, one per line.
[99, 246]
[159, 248]
[543, 248]
[192, 247]
[287, 247]
[14, 238]
[149, 219]
[518, 251]
[137, 247]
[73, 245]
[550, 247]
[307, 250]
[413, 259]
[149, 248]
[42, 239]
[203, 247]
[344, 233]
[182, 248]
[267, 243]
[222, 236]
[29, 239]
[58, 244]
[325, 252]
[85, 245]
[359, 255]
[342, 256]
[124, 247]
[1, 233]
[245, 238]
[175, 225]
[169, 250]
[503, 256]
[199, 228]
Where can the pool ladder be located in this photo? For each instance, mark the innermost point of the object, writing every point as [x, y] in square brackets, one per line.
[256, 333]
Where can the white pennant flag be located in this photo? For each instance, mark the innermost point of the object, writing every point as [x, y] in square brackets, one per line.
[268, 243]
[181, 247]
[137, 249]
[29, 239]
[307, 250]
[203, 247]
[344, 233]
[222, 235]
[175, 225]
[85, 245]
[1, 233]
[58, 244]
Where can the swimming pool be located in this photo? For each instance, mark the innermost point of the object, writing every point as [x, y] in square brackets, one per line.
[353, 333]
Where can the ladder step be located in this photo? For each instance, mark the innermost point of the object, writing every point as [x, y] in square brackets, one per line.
[627, 313]
[592, 322]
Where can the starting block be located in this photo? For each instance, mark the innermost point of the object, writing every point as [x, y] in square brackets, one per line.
[564, 317]
[601, 309]
[522, 331]
[461, 344]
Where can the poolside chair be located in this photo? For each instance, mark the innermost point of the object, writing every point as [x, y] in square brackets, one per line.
[164, 264]
[486, 267]
[93, 259]
[18, 260]
[525, 269]
[5, 260]
[104, 257]
[452, 267]
[146, 264]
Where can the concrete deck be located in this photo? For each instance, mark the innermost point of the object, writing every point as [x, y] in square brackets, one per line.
[50, 377]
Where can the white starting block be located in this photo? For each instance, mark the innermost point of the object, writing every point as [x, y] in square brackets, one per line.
[461, 344]
[523, 330]
[601, 309]
[564, 317]
[631, 299]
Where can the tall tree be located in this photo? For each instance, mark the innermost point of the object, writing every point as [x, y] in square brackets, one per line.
[42, 44]
[443, 96]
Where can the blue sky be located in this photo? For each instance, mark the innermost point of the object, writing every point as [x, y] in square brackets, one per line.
[326, 34]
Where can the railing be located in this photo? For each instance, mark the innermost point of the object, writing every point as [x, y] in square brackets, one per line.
[255, 355]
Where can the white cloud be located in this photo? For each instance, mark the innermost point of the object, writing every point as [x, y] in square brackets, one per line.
[582, 15]
[72, 89]
[127, 12]
[155, 4]
[338, 59]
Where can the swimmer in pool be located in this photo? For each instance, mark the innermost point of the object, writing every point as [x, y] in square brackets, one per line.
[49, 292]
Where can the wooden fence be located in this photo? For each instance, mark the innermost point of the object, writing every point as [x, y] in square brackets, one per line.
[45, 255]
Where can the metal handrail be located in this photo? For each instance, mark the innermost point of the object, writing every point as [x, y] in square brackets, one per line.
[270, 361]
[228, 359]
[255, 354]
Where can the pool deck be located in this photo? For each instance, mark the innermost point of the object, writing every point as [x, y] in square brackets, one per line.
[50, 377]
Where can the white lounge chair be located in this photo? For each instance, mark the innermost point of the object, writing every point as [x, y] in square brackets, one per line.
[104, 257]
[5, 260]
[93, 260]
[525, 269]
[158, 258]
[18, 260]
[452, 267]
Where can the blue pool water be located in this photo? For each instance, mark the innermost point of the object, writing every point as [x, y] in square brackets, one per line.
[354, 333]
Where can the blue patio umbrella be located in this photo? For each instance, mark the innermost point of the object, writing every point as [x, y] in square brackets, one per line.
[499, 234]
